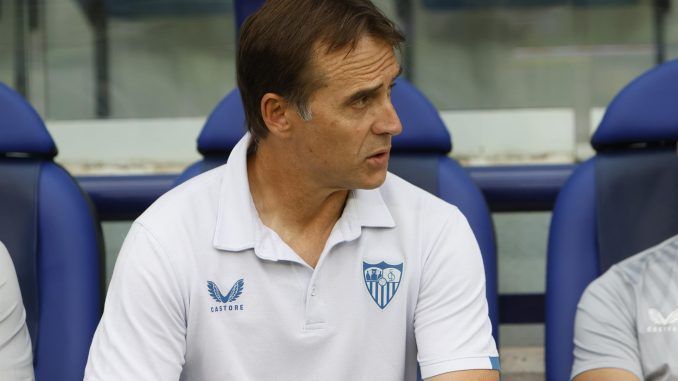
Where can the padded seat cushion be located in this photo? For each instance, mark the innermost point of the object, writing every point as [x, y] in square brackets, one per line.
[637, 202]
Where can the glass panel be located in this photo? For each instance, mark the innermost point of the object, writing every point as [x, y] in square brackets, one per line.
[521, 54]
[501, 57]
[671, 25]
[162, 59]
[8, 43]
[521, 245]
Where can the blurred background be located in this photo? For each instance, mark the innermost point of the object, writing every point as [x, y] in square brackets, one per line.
[125, 86]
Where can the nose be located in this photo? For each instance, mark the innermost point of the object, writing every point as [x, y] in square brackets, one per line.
[388, 121]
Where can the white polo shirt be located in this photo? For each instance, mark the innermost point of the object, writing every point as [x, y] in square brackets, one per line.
[16, 354]
[202, 290]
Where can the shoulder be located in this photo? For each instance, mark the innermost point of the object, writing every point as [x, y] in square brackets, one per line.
[197, 198]
[423, 216]
[180, 221]
[611, 314]
[9, 288]
[412, 206]
[15, 342]
[620, 281]
[649, 263]
[611, 291]
[402, 196]
[5, 263]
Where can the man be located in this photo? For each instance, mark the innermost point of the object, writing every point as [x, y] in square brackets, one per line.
[626, 327]
[16, 355]
[301, 259]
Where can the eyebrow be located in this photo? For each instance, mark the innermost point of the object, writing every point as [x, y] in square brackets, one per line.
[369, 91]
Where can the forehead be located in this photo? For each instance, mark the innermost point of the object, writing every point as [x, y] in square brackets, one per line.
[368, 61]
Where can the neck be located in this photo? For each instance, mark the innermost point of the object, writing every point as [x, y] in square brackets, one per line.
[288, 201]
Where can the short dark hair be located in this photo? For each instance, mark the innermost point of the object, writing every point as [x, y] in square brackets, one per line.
[277, 43]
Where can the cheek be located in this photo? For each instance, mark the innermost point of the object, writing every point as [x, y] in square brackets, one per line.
[350, 142]
[338, 141]
[326, 148]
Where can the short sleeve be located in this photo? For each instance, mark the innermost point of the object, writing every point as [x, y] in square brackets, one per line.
[605, 329]
[16, 355]
[451, 324]
[142, 333]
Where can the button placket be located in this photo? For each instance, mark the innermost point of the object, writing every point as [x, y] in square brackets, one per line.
[314, 319]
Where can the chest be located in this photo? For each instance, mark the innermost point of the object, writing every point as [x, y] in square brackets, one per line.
[350, 279]
[657, 327]
[357, 303]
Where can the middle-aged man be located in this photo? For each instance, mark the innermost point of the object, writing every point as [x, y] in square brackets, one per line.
[626, 327]
[302, 258]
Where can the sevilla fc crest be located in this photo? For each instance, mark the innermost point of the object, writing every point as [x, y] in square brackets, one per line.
[382, 281]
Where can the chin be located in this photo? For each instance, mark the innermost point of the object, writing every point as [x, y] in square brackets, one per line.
[372, 182]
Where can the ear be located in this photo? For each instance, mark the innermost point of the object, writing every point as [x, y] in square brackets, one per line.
[273, 107]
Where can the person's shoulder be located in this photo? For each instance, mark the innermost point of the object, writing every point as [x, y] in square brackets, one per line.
[610, 285]
[648, 262]
[194, 197]
[398, 192]
[627, 274]
[10, 294]
[3, 252]
[407, 202]
[16, 360]
[6, 264]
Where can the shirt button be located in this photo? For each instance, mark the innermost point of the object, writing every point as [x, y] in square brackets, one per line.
[313, 291]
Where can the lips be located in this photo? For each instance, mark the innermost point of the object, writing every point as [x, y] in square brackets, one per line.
[380, 153]
[379, 159]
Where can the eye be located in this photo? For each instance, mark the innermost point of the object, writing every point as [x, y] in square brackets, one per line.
[361, 102]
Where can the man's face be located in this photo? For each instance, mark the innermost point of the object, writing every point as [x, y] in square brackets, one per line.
[346, 143]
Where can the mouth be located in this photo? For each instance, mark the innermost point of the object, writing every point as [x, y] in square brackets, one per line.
[379, 159]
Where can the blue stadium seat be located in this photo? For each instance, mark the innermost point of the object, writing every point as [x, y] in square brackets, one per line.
[243, 9]
[419, 155]
[138, 9]
[616, 204]
[222, 130]
[53, 238]
[438, 5]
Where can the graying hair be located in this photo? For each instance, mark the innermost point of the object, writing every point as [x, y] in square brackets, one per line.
[304, 112]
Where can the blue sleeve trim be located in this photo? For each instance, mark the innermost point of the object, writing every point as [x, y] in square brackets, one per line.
[495, 363]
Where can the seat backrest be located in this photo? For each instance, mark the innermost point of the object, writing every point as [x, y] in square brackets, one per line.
[53, 238]
[222, 130]
[419, 155]
[137, 9]
[616, 204]
[243, 9]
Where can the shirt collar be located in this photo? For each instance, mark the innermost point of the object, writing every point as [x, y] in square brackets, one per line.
[238, 226]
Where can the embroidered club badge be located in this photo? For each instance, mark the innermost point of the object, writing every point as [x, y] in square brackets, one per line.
[382, 281]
